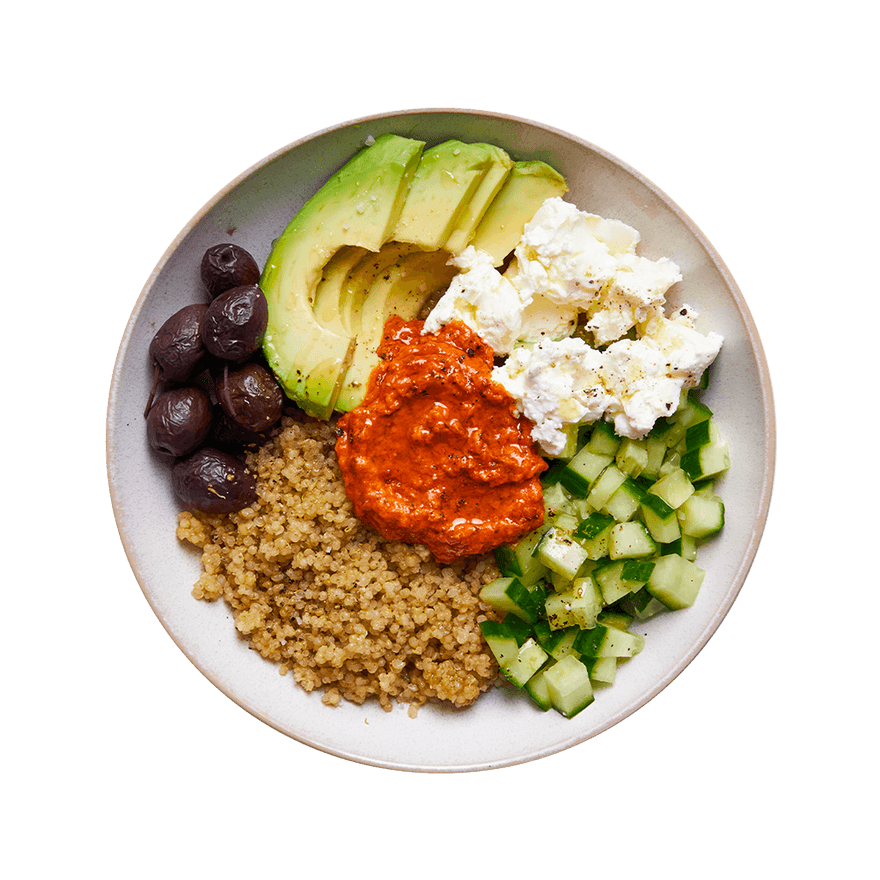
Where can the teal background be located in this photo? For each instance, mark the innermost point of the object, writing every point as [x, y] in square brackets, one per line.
[121, 123]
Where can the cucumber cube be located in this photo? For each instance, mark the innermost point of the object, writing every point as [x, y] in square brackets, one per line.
[509, 594]
[608, 641]
[528, 660]
[632, 457]
[578, 606]
[608, 483]
[602, 670]
[561, 553]
[643, 605]
[702, 434]
[520, 561]
[706, 461]
[536, 688]
[569, 686]
[582, 471]
[701, 516]
[663, 527]
[630, 540]
[675, 581]
[500, 640]
[623, 504]
[603, 440]
[674, 488]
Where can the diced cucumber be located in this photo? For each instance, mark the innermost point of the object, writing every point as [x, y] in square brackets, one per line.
[520, 561]
[608, 641]
[509, 594]
[643, 605]
[675, 581]
[536, 688]
[578, 606]
[565, 645]
[691, 411]
[660, 519]
[630, 540]
[561, 553]
[569, 686]
[500, 640]
[620, 578]
[606, 485]
[603, 440]
[701, 516]
[583, 470]
[674, 488]
[632, 457]
[556, 499]
[528, 660]
[616, 619]
[625, 501]
[702, 434]
[656, 449]
[684, 545]
[706, 461]
[603, 670]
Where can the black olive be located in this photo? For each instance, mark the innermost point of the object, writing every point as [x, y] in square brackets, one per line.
[179, 421]
[213, 482]
[251, 396]
[225, 266]
[233, 326]
[229, 436]
[177, 348]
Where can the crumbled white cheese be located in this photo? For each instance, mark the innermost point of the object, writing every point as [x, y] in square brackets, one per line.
[482, 298]
[634, 382]
[555, 383]
[637, 291]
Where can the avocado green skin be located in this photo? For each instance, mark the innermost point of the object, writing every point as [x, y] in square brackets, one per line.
[359, 206]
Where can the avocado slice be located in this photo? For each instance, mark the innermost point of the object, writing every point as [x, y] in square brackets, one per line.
[334, 278]
[400, 290]
[489, 187]
[526, 188]
[363, 276]
[358, 206]
[446, 180]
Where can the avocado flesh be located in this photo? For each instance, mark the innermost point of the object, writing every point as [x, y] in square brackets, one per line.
[328, 295]
[526, 188]
[447, 178]
[401, 290]
[489, 187]
[362, 276]
[359, 206]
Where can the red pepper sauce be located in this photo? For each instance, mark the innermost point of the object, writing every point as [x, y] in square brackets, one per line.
[435, 454]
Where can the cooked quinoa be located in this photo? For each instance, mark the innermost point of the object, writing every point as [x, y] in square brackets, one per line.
[329, 599]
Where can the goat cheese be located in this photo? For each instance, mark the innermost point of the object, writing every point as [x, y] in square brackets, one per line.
[481, 297]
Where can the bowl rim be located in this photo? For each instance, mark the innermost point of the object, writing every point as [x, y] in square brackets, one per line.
[756, 347]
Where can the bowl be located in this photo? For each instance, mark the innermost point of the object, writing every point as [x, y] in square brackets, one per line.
[251, 211]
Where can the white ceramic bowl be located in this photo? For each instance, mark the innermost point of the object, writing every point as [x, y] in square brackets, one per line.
[251, 211]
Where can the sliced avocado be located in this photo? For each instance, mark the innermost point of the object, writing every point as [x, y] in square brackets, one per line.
[334, 278]
[526, 188]
[447, 178]
[489, 187]
[400, 290]
[358, 206]
[362, 277]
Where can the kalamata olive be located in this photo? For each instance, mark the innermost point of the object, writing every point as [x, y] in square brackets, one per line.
[225, 266]
[233, 326]
[229, 436]
[250, 396]
[177, 347]
[179, 421]
[213, 482]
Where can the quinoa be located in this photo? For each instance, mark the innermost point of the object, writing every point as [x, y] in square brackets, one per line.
[330, 600]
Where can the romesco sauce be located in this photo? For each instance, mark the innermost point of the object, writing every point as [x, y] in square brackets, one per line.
[435, 453]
